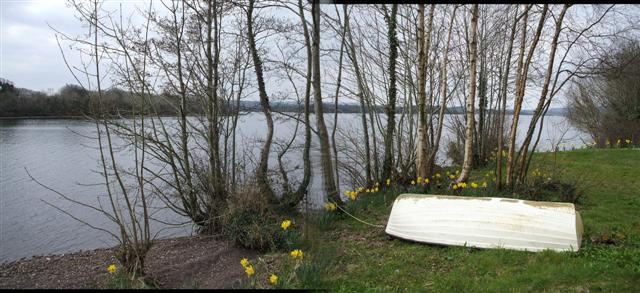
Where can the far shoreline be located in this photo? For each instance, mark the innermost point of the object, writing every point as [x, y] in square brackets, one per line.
[170, 116]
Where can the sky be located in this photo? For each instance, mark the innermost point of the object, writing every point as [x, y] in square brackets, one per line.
[29, 54]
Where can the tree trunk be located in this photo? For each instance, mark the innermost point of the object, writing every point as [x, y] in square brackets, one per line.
[301, 191]
[335, 116]
[543, 95]
[468, 141]
[503, 106]
[443, 95]
[361, 89]
[424, 41]
[325, 150]
[213, 59]
[391, 107]
[263, 167]
[520, 93]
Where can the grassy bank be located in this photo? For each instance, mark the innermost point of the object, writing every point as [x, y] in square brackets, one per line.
[363, 256]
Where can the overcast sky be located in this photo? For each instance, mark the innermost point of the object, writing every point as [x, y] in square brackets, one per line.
[29, 54]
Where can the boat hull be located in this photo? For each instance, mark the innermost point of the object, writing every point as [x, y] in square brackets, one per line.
[486, 222]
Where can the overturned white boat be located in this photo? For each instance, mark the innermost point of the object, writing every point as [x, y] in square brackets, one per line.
[486, 222]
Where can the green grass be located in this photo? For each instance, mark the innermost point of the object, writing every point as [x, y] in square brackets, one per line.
[366, 259]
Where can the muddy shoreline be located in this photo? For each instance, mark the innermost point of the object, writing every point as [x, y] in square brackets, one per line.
[181, 262]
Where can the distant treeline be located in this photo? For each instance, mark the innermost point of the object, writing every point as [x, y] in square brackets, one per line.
[72, 100]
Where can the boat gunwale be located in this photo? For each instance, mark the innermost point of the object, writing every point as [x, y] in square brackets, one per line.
[537, 204]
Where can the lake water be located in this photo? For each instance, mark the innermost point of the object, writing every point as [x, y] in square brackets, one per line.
[62, 155]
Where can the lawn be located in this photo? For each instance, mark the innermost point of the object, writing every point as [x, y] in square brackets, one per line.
[365, 258]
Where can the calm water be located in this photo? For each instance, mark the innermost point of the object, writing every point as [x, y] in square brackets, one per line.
[62, 155]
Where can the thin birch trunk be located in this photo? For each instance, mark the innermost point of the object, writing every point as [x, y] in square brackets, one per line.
[424, 41]
[520, 95]
[468, 142]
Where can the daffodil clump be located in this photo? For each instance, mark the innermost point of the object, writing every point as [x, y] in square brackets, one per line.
[353, 194]
[489, 174]
[620, 143]
[285, 224]
[112, 268]
[297, 254]
[330, 207]
[248, 267]
[244, 262]
[249, 270]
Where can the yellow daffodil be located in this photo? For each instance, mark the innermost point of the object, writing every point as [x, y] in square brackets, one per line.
[448, 173]
[419, 179]
[244, 262]
[437, 175]
[413, 182]
[474, 185]
[628, 141]
[346, 193]
[457, 172]
[455, 186]
[112, 269]
[353, 195]
[377, 189]
[452, 176]
[462, 185]
[377, 184]
[367, 191]
[330, 206]
[297, 254]
[249, 270]
[285, 224]
[426, 180]
[484, 184]
[273, 279]
[360, 189]
[388, 182]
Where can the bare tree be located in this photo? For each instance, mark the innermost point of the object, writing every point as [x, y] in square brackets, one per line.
[263, 167]
[424, 42]
[391, 107]
[468, 143]
[323, 136]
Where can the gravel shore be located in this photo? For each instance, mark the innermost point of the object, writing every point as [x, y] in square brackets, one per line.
[183, 262]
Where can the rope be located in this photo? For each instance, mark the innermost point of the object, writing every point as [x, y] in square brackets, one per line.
[361, 221]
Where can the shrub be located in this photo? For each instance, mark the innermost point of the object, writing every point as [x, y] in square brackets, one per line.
[250, 222]
[606, 104]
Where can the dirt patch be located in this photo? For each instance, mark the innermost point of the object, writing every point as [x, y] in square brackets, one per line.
[201, 262]
[184, 262]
